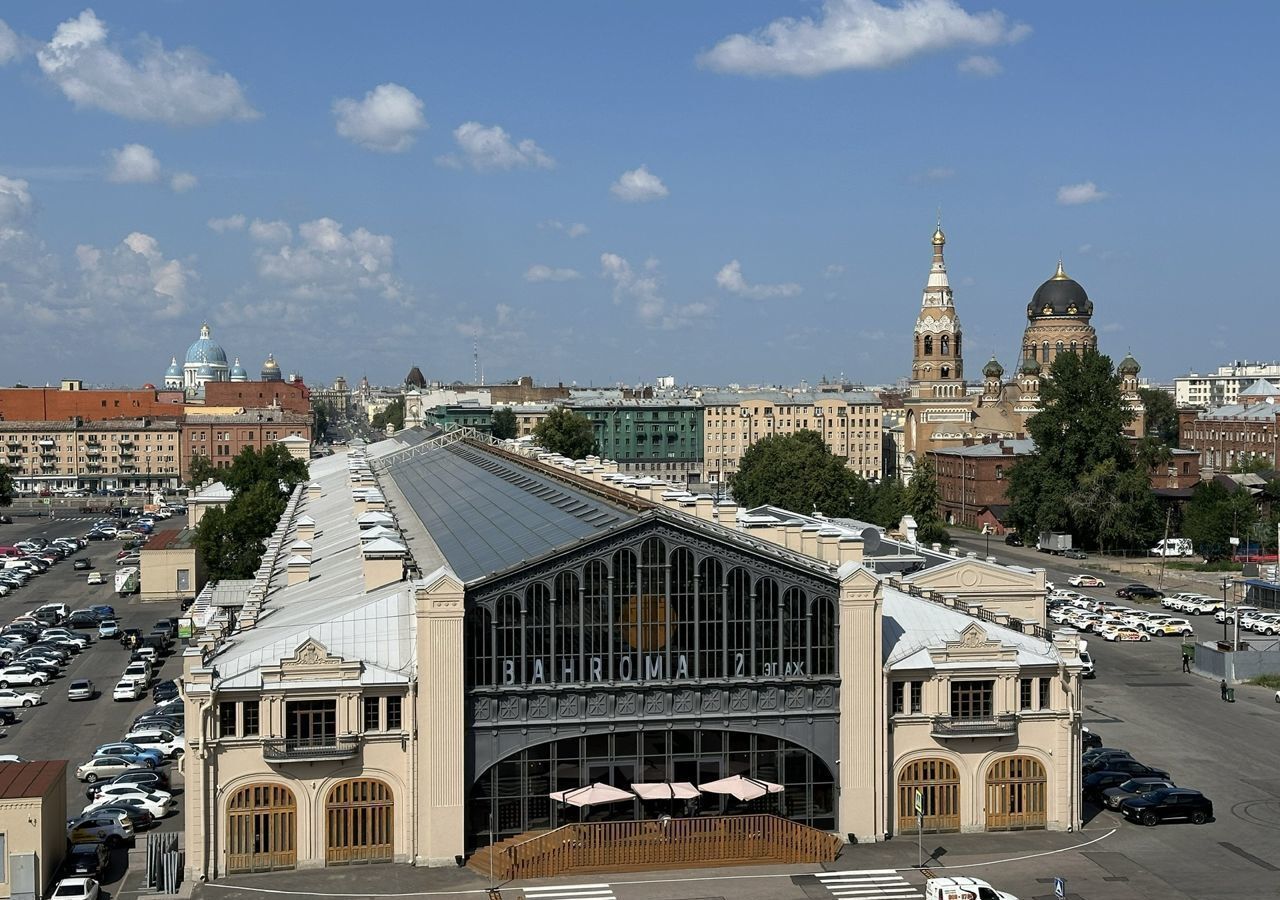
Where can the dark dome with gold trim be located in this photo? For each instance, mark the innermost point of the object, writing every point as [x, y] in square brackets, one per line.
[1061, 295]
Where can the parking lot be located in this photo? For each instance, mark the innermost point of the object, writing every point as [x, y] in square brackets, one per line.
[59, 728]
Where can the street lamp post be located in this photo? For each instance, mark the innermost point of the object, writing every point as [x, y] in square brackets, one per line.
[1224, 610]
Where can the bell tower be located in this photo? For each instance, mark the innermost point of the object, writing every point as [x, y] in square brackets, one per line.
[937, 362]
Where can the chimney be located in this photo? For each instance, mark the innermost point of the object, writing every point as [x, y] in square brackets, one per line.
[313, 489]
[849, 549]
[375, 502]
[727, 514]
[809, 540]
[300, 548]
[791, 535]
[298, 569]
[383, 563]
[306, 528]
[703, 507]
[1006, 449]
[828, 546]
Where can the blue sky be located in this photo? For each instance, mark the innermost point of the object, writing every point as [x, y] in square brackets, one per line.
[608, 192]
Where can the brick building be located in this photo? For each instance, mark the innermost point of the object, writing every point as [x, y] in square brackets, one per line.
[48, 404]
[221, 437]
[293, 396]
[1232, 436]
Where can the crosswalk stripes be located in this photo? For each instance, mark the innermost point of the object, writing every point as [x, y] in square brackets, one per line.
[869, 884]
[569, 892]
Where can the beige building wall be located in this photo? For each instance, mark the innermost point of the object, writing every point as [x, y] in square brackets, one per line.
[35, 825]
[161, 575]
[61, 453]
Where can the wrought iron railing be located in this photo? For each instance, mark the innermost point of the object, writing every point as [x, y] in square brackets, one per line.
[1003, 725]
[306, 749]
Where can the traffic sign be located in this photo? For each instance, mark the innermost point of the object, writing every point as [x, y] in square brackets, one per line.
[1060, 889]
[919, 802]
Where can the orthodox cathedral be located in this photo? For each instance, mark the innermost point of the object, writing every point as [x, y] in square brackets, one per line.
[943, 410]
[206, 361]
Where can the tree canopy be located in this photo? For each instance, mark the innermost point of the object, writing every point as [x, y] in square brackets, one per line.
[1162, 415]
[566, 432]
[1214, 515]
[921, 501]
[1084, 476]
[504, 425]
[200, 470]
[797, 472]
[6, 486]
[393, 415]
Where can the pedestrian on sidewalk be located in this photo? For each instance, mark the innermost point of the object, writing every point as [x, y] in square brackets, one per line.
[1186, 661]
[1223, 688]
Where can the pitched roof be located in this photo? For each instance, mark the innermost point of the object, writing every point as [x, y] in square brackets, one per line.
[30, 779]
[912, 627]
[1261, 388]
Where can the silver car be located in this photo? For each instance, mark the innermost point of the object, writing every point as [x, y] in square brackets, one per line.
[81, 689]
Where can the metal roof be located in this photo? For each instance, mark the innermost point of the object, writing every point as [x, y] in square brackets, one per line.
[485, 513]
[912, 626]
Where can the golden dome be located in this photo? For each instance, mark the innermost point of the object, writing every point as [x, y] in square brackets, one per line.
[938, 237]
[1061, 274]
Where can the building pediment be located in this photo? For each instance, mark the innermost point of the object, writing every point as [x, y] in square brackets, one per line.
[973, 645]
[969, 576]
[312, 662]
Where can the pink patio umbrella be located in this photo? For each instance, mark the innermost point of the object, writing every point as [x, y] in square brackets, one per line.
[665, 790]
[592, 794]
[741, 786]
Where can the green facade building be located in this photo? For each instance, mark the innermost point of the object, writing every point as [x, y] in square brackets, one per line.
[660, 437]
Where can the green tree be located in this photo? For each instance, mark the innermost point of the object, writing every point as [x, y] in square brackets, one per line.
[1120, 504]
[1162, 415]
[1079, 427]
[566, 432]
[797, 472]
[321, 413]
[888, 504]
[6, 486]
[199, 471]
[504, 425]
[1214, 515]
[393, 415]
[274, 465]
[921, 501]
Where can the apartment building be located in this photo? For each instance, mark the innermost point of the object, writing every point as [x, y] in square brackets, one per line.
[76, 454]
[220, 437]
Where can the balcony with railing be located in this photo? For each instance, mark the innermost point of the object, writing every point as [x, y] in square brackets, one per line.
[311, 749]
[1004, 725]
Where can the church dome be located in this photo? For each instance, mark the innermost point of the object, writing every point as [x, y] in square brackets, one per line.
[174, 370]
[993, 369]
[206, 349]
[238, 372]
[1061, 295]
[1129, 365]
[1029, 367]
[271, 369]
[205, 372]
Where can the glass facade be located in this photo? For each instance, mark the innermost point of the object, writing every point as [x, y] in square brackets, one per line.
[512, 797]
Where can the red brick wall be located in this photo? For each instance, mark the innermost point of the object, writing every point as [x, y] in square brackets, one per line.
[260, 394]
[54, 405]
[222, 441]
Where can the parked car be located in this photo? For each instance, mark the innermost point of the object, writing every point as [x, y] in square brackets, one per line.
[1228, 614]
[139, 671]
[144, 756]
[1089, 739]
[82, 564]
[1104, 753]
[1170, 803]
[134, 809]
[111, 828]
[1132, 767]
[108, 628]
[1112, 797]
[96, 578]
[1086, 581]
[10, 698]
[1167, 627]
[1125, 633]
[1137, 591]
[149, 779]
[166, 742]
[1095, 783]
[126, 689]
[81, 689]
[164, 690]
[124, 789]
[102, 767]
[86, 859]
[80, 888]
[23, 676]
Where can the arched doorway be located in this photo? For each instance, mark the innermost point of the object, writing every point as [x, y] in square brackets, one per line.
[939, 785]
[1017, 790]
[262, 829]
[359, 822]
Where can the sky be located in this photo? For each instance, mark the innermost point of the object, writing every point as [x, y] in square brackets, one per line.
[602, 193]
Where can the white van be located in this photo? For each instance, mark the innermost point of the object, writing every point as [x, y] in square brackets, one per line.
[1173, 547]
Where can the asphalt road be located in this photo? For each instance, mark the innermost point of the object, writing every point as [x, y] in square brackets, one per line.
[60, 729]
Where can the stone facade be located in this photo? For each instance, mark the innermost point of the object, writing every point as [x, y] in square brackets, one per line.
[92, 455]
[1236, 435]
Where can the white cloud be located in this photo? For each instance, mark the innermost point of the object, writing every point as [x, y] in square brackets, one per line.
[730, 278]
[982, 66]
[229, 223]
[274, 232]
[489, 147]
[832, 271]
[135, 275]
[539, 272]
[642, 291]
[327, 264]
[10, 46]
[16, 204]
[639, 186]
[858, 34]
[1111, 327]
[386, 120]
[181, 182]
[1075, 194]
[134, 164]
[176, 87]
[573, 229]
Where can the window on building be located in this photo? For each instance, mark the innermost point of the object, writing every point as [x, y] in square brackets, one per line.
[1044, 692]
[371, 716]
[917, 696]
[227, 720]
[928, 346]
[1024, 692]
[311, 723]
[249, 718]
[899, 697]
[972, 699]
[184, 579]
[394, 718]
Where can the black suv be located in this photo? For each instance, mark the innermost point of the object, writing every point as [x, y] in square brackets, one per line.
[1139, 592]
[1172, 803]
[87, 859]
[1012, 539]
[1124, 764]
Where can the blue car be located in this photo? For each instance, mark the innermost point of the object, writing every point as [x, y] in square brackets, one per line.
[143, 756]
[105, 612]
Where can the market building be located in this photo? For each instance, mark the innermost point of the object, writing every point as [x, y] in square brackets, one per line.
[444, 631]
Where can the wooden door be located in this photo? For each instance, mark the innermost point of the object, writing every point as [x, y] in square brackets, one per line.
[262, 825]
[938, 782]
[1017, 791]
[360, 815]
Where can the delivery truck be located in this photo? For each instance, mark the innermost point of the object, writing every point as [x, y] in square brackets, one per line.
[962, 887]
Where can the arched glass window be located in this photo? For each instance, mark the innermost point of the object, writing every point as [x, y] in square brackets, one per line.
[626, 637]
[944, 345]
[537, 634]
[946, 371]
[766, 617]
[710, 619]
[957, 345]
[1059, 346]
[597, 631]
[1073, 346]
[738, 624]
[795, 633]
[479, 647]
[1046, 351]
[569, 627]
[824, 636]
[509, 639]
[681, 636]
[928, 345]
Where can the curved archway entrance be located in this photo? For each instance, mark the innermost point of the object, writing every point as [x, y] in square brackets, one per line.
[359, 822]
[262, 829]
[1017, 790]
[938, 782]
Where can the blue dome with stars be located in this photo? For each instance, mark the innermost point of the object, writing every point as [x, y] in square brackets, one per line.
[206, 350]
[174, 370]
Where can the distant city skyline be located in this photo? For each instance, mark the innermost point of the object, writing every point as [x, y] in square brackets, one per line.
[725, 192]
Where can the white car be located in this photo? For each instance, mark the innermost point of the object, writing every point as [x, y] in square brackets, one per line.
[1086, 581]
[1202, 605]
[21, 675]
[95, 578]
[1228, 614]
[170, 744]
[75, 889]
[126, 690]
[10, 699]
[158, 803]
[1167, 627]
[139, 671]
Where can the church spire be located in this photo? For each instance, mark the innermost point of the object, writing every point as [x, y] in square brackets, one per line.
[938, 336]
